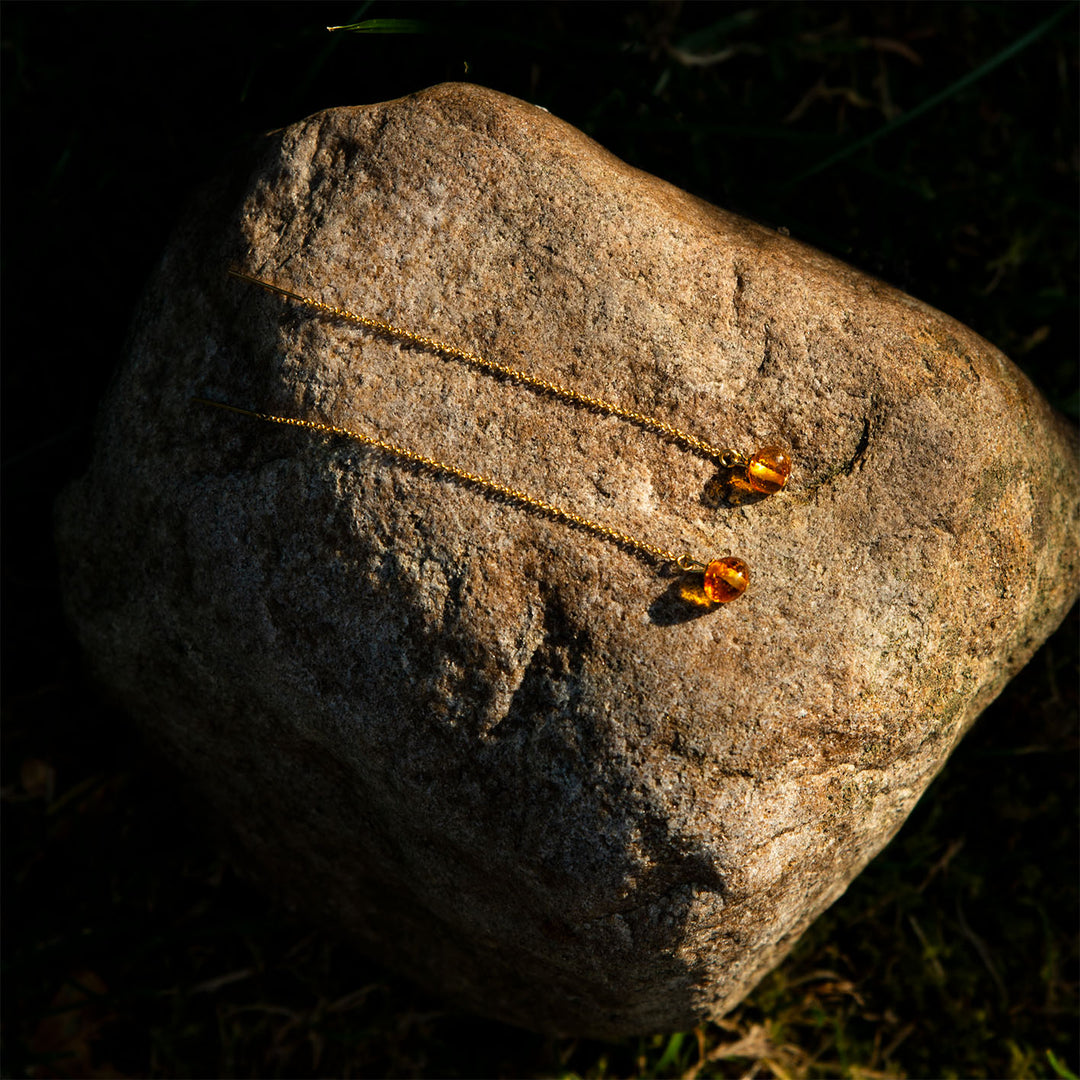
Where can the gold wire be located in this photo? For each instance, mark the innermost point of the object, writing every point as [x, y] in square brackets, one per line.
[722, 456]
[651, 553]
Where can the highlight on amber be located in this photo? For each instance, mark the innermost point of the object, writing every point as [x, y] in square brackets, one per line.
[768, 470]
[726, 579]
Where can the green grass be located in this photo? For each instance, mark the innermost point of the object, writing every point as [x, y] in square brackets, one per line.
[933, 145]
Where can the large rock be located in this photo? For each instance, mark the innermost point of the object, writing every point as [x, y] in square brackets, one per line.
[508, 756]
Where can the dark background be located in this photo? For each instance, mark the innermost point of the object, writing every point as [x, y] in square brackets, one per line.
[934, 145]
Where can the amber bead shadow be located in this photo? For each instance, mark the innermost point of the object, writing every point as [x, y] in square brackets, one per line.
[729, 488]
[681, 602]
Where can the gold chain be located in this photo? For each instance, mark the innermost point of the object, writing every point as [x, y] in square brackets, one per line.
[724, 578]
[650, 552]
[724, 457]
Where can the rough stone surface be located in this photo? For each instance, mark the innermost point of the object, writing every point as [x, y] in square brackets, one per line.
[507, 756]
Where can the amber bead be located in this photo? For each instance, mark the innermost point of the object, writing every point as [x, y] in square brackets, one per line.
[725, 579]
[768, 470]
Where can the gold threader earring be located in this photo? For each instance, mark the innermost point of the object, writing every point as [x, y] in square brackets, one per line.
[722, 579]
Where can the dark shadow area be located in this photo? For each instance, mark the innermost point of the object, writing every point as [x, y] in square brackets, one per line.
[683, 601]
[727, 488]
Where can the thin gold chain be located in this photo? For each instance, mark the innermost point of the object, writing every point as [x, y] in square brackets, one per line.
[651, 553]
[722, 456]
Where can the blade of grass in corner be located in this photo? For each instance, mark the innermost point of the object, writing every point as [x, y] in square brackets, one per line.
[1059, 1067]
[301, 85]
[387, 26]
[932, 102]
[487, 34]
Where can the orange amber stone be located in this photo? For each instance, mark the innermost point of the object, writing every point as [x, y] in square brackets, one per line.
[725, 579]
[768, 470]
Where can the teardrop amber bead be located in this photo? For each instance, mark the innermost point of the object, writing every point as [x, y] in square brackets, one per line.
[725, 579]
[768, 470]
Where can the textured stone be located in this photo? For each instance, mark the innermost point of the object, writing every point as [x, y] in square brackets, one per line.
[507, 756]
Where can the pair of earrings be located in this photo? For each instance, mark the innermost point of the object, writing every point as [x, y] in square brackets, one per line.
[765, 472]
